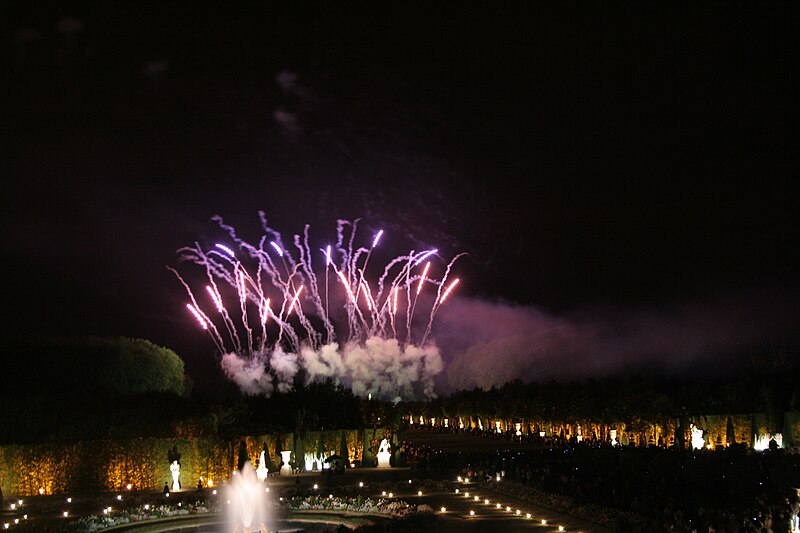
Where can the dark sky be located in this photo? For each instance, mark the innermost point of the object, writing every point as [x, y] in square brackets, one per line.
[585, 154]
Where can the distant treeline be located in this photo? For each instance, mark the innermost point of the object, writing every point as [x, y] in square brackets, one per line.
[624, 398]
[81, 389]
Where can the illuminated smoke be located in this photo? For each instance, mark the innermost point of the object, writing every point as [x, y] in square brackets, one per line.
[372, 344]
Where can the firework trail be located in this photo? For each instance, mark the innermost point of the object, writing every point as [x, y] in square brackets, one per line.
[286, 325]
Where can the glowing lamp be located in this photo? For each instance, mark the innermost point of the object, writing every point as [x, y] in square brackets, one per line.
[41, 491]
[444, 509]
[528, 515]
[498, 506]
[561, 528]
[508, 509]
[472, 513]
[383, 493]
[544, 522]
[419, 493]
[360, 484]
[518, 512]
[66, 514]
[486, 502]
[315, 486]
[391, 495]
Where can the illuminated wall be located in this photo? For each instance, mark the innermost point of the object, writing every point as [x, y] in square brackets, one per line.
[642, 432]
[110, 465]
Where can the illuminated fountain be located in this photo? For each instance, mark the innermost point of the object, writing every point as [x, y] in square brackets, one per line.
[248, 509]
[384, 455]
[762, 441]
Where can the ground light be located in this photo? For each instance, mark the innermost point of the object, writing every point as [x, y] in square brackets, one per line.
[444, 509]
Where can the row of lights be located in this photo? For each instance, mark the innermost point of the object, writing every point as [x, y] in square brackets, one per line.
[497, 506]
[106, 511]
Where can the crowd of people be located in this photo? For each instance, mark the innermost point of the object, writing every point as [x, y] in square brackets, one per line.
[733, 489]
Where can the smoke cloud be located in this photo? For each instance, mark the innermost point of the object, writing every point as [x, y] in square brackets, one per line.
[250, 375]
[490, 343]
[482, 343]
[378, 367]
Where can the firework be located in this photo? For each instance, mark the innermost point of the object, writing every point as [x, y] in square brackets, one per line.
[304, 328]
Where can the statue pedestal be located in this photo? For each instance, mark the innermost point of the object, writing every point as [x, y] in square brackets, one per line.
[384, 459]
[286, 469]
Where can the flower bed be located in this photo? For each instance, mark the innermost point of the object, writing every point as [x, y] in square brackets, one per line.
[358, 504]
[89, 524]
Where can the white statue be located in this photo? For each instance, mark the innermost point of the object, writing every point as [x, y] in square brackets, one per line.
[262, 471]
[697, 438]
[286, 468]
[384, 455]
[175, 468]
[613, 434]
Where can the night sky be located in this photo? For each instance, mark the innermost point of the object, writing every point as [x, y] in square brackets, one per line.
[599, 162]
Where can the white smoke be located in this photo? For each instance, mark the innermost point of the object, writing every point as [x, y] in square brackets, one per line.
[378, 367]
[284, 365]
[250, 375]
